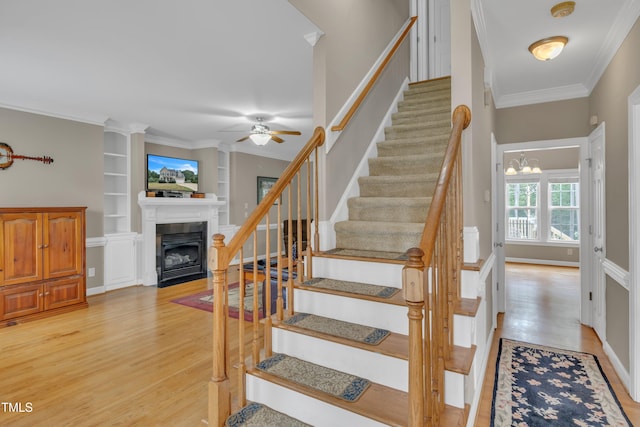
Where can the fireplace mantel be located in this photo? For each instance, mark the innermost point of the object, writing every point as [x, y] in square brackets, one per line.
[168, 210]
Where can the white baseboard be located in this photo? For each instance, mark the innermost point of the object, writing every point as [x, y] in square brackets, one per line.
[96, 290]
[624, 376]
[473, 410]
[543, 262]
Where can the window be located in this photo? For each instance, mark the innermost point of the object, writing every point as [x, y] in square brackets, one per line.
[564, 213]
[522, 210]
[543, 208]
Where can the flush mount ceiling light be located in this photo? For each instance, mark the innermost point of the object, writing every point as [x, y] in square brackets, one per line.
[549, 48]
[563, 9]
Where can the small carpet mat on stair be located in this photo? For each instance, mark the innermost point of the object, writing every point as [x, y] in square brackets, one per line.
[338, 328]
[335, 383]
[352, 287]
[258, 415]
[367, 254]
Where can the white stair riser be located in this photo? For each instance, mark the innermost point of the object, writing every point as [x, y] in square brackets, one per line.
[364, 312]
[381, 369]
[454, 389]
[374, 273]
[302, 407]
[464, 328]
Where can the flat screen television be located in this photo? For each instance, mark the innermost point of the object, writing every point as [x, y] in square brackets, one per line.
[171, 174]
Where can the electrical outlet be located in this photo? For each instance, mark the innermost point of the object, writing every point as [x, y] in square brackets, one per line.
[91, 272]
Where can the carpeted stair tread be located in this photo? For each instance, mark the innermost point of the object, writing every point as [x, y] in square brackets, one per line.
[420, 103]
[416, 130]
[350, 331]
[413, 146]
[374, 403]
[388, 209]
[392, 236]
[430, 85]
[364, 255]
[393, 345]
[406, 165]
[335, 383]
[437, 113]
[397, 185]
[259, 415]
[351, 287]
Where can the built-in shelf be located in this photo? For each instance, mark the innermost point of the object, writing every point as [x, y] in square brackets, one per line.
[117, 200]
[223, 186]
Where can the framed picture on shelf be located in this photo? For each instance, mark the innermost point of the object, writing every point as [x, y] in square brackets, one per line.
[264, 185]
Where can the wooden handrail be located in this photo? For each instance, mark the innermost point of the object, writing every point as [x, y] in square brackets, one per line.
[316, 140]
[461, 118]
[365, 91]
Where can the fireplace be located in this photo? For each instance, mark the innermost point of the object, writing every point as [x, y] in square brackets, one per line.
[181, 252]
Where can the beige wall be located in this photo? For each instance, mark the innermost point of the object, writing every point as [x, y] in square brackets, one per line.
[608, 101]
[539, 122]
[75, 178]
[356, 31]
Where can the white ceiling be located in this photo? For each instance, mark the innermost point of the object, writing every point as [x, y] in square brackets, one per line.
[507, 28]
[198, 72]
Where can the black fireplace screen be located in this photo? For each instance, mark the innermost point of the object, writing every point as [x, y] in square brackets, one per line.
[181, 252]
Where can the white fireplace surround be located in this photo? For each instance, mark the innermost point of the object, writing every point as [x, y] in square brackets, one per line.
[168, 210]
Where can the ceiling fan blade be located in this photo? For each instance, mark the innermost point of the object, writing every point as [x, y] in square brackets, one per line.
[276, 139]
[285, 132]
[243, 139]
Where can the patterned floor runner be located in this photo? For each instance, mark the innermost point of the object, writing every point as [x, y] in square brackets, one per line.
[336, 383]
[352, 287]
[338, 328]
[257, 415]
[367, 254]
[543, 386]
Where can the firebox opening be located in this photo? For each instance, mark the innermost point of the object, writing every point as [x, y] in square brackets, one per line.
[181, 252]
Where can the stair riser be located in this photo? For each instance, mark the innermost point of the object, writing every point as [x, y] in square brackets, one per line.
[387, 213]
[411, 148]
[430, 86]
[396, 189]
[454, 385]
[404, 165]
[420, 103]
[378, 315]
[396, 242]
[374, 273]
[381, 369]
[408, 117]
[418, 130]
[302, 407]
[427, 92]
[465, 328]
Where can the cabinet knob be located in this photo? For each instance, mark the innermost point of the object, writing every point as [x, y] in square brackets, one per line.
[47, 293]
[39, 295]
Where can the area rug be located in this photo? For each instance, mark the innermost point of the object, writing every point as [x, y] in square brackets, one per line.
[258, 415]
[543, 386]
[339, 384]
[338, 328]
[204, 301]
[352, 287]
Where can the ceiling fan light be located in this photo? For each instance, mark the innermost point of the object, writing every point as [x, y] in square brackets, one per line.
[549, 48]
[260, 138]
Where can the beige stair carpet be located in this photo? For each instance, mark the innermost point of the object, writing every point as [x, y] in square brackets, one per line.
[394, 199]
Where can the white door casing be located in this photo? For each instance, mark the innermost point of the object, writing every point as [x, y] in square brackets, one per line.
[597, 217]
[497, 215]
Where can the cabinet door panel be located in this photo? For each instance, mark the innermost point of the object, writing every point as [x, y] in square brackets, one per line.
[63, 292]
[20, 300]
[63, 243]
[22, 241]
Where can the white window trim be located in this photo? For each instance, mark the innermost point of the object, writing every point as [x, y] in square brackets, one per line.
[544, 234]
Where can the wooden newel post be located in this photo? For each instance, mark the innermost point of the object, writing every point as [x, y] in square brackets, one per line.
[219, 391]
[413, 292]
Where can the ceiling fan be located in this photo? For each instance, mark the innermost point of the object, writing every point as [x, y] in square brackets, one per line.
[261, 134]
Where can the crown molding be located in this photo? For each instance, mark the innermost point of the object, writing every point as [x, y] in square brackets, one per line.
[560, 93]
[88, 119]
[312, 38]
[618, 32]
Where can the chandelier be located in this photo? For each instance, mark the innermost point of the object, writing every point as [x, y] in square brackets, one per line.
[523, 166]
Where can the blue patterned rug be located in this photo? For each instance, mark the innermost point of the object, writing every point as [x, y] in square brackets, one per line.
[543, 386]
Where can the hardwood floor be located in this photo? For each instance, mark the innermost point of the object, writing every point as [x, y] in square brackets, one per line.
[132, 358]
[543, 308]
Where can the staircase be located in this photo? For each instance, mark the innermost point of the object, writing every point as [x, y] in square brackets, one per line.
[356, 290]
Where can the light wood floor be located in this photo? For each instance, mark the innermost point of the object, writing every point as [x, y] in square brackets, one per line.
[132, 358]
[543, 308]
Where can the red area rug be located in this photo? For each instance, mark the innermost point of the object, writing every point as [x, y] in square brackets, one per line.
[204, 301]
